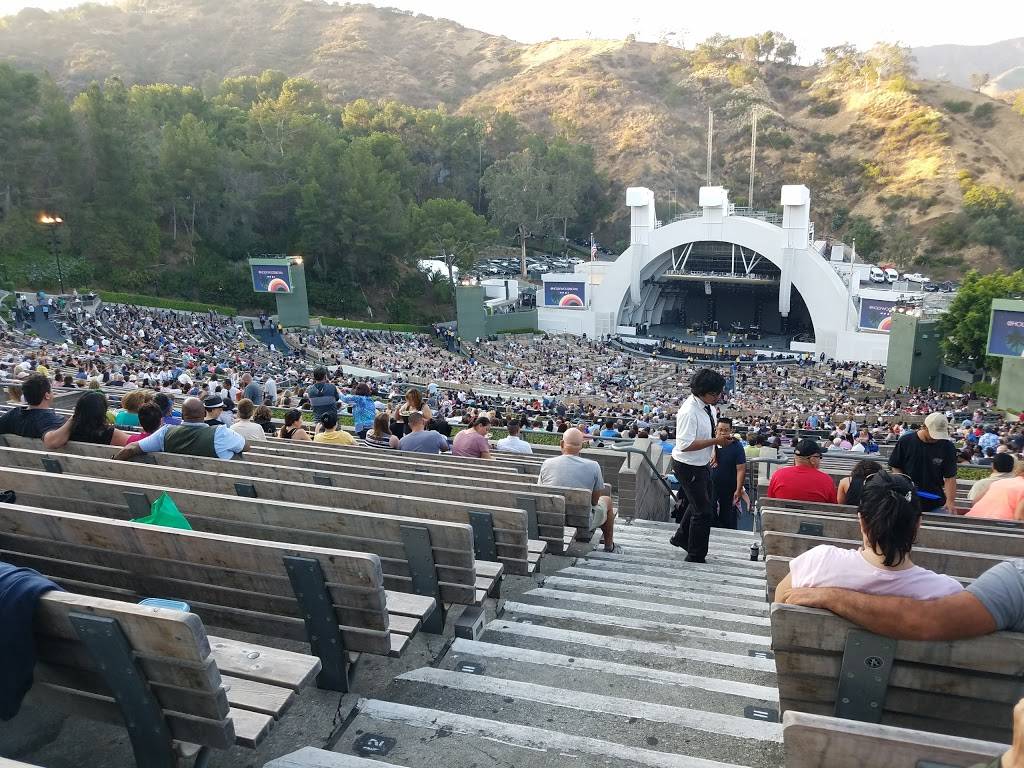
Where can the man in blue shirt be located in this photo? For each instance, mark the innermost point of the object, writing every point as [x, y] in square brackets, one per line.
[728, 471]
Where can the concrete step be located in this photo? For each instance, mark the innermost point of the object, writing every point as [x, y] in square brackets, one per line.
[605, 606]
[681, 597]
[640, 538]
[656, 631]
[433, 737]
[591, 715]
[685, 582]
[668, 568]
[716, 563]
[722, 533]
[671, 656]
[611, 678]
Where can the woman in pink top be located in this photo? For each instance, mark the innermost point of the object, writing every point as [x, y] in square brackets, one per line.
[1004, 499]
[890, 516]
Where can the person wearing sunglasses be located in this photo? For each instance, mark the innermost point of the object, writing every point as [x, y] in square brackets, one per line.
[890, 516]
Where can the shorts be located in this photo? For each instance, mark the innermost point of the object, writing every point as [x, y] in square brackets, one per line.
[599, 513]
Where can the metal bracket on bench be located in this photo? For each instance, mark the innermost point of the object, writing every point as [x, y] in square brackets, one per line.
[483, 536]
[811, 529]
[322, 629]
[323, 480]
[248, 490]
[143, 716]
[530, 507]
[138, 503]
[864, 676]
[420, 554]
[52, 465]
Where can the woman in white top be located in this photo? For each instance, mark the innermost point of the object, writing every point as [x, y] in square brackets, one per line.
[244, 425]
[890, 516]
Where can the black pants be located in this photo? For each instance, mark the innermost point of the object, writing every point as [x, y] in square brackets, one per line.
[695, 526]
[726, 517]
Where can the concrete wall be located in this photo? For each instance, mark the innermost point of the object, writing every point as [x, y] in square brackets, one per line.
[472, 318]
[1011, 384]
[514, 321]
[914, 354]
[293, 308]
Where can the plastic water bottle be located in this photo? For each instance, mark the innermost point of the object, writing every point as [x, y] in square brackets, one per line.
[755, 552]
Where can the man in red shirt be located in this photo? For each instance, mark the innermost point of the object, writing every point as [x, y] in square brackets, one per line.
[803, 481]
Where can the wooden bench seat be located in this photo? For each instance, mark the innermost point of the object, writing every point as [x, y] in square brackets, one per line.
[155, 667]
[828, 666]
[333, 599]
[816, 740]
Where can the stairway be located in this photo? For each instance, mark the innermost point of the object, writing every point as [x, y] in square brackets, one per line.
[636, 659]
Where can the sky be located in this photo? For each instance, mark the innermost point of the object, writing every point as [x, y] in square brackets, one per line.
[811, 24]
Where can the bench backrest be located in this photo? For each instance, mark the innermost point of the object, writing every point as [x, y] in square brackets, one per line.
[816, 740]
[928, 518]
[451, 544]
[827, 666]
[170, 649]
[229, 581]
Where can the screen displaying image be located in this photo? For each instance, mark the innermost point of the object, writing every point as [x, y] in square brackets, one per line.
[271, 278]
[1006, 336]
[570, 295]
[876, 314]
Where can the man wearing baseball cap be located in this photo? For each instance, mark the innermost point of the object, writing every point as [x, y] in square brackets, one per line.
[928, 456]
[803, 481]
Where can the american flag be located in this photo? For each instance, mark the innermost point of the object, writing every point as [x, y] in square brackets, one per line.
[593, 247]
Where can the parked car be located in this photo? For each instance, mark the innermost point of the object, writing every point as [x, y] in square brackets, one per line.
[876, 275]
[891, 275]
[916, 277]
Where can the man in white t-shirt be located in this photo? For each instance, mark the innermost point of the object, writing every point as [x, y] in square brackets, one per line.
[513, 443]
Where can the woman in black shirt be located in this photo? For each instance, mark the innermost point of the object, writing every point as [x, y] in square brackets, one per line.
[89, 422]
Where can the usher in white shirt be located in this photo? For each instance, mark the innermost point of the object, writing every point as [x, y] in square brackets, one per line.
[693, 423]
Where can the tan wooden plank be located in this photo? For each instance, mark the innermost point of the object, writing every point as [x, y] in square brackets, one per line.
[152, 631]
[273, 666]
[258, 697]
[404, 604]
[813, 740]
[404, 625]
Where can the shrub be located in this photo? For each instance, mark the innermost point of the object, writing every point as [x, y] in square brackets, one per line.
[983, 113]
[113, 297]
[824, 108]
[957, 107]
[965, 472]
[337, 322]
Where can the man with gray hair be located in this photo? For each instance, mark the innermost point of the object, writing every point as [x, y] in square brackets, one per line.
[570, 470]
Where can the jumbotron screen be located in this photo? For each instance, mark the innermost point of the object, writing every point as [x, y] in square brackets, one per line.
[876, 314]
[271, 278]
[1006, 334]
[571, 295]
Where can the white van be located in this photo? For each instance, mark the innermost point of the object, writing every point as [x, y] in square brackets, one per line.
[891, 275]
[877, 275]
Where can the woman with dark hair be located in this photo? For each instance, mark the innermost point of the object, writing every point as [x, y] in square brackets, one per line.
[379, 436]
[88, 424]
[413, 404]
[364, 410]
[890, 516]
[292, 429]
[327, 431]
[849, 490]
[150, 419]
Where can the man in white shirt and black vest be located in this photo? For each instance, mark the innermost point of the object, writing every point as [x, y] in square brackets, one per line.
[691, 459]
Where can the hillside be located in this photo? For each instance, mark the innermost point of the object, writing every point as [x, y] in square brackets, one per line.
[883, 148]
[957, 63]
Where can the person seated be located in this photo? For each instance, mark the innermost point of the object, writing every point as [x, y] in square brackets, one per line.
[36, 418]
[570, 470]
[472, 442]
[327, 431]
[128, 414]
[421, 440]
[890, 516]
[513, 443]
[803, 481]
[849, 489]
[379, 435]
[1004, 499]
[1002, 469]
[292, 429]
[150, 419]
[244, 425]
[264, 417]
[88, 424]
[193, 437]
[993, 602]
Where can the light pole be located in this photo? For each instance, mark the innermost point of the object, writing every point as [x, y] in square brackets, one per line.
[53, 222]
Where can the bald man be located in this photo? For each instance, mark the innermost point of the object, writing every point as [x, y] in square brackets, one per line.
[193, 437]
[570, 470]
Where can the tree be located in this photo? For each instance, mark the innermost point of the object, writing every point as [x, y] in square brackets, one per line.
[522, 197]
[964, 327]
[869, 239]
[450, 231]
[979, 80]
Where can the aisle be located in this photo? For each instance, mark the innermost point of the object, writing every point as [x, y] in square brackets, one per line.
[636, 659]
